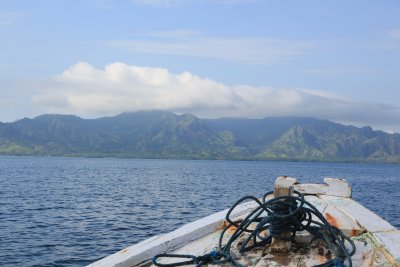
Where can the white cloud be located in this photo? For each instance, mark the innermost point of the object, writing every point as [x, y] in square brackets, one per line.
[245, 50]
[342, 70]
[4, 101]
[323, 94]
[176, 34]
[9, 18]
[395, 34]
[88, 91]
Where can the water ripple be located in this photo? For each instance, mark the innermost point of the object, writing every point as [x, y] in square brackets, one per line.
[73, 211]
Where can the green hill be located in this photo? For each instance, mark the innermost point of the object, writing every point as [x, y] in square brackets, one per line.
[158, 134]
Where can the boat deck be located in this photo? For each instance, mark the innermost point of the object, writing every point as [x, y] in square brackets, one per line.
[377, 242]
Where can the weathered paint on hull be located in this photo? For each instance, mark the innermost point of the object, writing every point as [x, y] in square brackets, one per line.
[377, 241]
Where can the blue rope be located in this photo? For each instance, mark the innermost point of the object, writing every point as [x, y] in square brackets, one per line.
[283, 214]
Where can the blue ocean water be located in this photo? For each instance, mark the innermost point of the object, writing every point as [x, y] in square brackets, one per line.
[73, 211]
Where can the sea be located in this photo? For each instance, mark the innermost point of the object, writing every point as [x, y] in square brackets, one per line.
[57, 211]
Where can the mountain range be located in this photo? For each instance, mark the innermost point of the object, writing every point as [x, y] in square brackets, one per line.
[160, 134]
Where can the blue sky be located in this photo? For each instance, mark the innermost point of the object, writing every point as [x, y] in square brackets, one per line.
[337, 60]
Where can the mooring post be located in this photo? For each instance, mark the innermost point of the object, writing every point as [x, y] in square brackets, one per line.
[283, 187]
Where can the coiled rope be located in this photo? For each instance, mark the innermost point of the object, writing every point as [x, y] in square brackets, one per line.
[272, 218]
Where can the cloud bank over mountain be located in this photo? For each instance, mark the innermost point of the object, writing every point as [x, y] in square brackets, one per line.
[86, 90]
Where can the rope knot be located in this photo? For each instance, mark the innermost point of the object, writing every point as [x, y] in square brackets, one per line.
[209, 257]
[271, 218]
